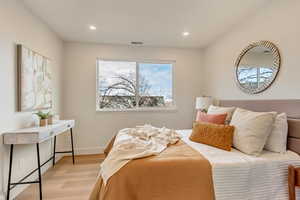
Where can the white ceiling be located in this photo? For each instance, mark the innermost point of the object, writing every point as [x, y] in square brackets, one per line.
[154, 22]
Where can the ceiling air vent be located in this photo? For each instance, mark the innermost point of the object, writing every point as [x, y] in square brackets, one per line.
[136, 43]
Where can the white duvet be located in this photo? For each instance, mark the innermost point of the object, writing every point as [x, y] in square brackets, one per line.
[237, 176]
[133, 143]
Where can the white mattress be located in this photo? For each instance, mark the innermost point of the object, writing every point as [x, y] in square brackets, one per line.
[238, 176]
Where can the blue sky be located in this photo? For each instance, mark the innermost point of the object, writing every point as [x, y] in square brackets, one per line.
[159, 77]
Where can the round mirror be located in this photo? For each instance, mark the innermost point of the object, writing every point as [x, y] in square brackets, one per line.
[257, 67]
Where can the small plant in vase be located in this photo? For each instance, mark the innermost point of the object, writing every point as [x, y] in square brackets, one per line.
[43, 118]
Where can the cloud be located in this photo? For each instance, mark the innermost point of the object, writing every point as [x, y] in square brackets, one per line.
[159, 76]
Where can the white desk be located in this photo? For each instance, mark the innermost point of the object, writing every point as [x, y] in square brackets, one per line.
[36, 135]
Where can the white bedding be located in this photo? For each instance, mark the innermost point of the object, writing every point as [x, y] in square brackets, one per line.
[133, 143]
[238, 176]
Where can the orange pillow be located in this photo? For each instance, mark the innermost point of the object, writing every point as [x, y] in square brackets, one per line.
[220, 136]
[211, 118]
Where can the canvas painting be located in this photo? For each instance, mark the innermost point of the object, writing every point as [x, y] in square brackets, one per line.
[34, 71]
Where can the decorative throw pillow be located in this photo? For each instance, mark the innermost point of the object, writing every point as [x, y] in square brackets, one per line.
[215, 119]
[277, 140]
[221, 110]
[251, 130]
[216, 135]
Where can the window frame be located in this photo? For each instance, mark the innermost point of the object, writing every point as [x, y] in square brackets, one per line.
[137, 108]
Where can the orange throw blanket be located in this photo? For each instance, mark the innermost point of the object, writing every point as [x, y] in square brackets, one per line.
[178, 173]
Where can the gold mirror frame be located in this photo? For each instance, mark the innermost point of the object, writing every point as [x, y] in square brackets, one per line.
[276, 66]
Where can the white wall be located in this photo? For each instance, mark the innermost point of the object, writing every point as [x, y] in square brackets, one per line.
[211, 73]
[94, 129]
[277, 23]
[20, 26]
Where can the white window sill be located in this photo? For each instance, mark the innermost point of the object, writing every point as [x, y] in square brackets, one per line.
[159, 109]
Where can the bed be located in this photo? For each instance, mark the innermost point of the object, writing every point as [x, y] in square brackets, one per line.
[180, 173]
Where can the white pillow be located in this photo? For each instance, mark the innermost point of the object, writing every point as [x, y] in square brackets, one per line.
[221, 110]
[251, 130]
[277, 140]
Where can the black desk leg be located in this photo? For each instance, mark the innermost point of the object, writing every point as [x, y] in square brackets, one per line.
[9, 173]
[54, 149]
[39, 169]
[72, 146]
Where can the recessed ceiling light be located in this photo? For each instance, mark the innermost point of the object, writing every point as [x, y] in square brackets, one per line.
[185, 33]
[92, 27]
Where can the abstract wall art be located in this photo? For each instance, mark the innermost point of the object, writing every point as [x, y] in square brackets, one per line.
[34, 80]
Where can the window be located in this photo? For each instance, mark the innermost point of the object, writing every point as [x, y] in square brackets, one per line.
[254, 77]
[125, 85]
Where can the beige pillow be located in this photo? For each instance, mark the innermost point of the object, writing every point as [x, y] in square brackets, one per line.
[277, 139]
[251, 130]
[221, 110]
[215, 135]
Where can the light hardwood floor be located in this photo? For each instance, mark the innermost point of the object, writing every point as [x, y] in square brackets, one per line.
[67, 181]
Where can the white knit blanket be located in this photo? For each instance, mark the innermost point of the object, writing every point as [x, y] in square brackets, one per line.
[133, 143]
[237, 176]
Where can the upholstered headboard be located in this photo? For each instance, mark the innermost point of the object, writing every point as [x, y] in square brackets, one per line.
[290, 107]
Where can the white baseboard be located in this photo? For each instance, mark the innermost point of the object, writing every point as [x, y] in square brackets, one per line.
[89, 150]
